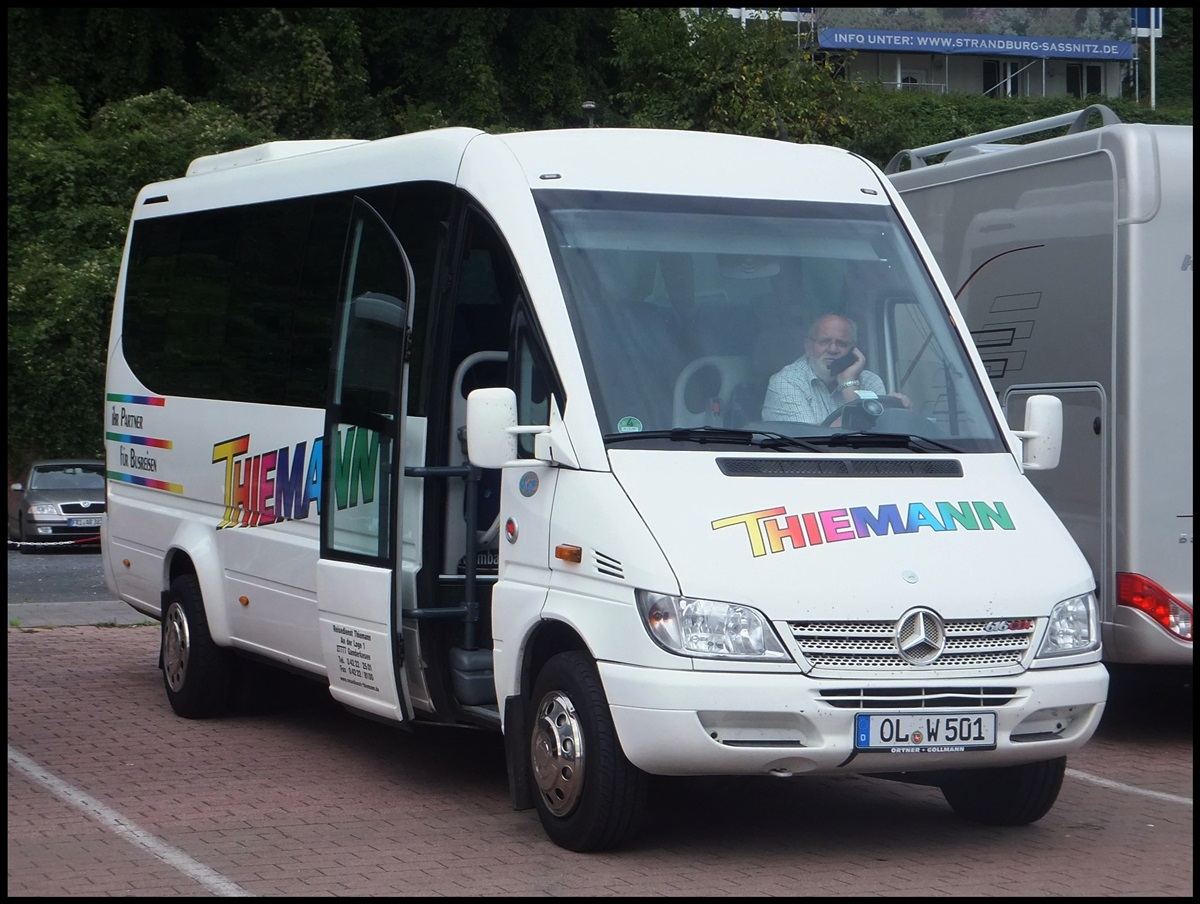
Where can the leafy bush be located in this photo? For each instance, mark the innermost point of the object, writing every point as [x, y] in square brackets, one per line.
[887, 121]
[71, 187]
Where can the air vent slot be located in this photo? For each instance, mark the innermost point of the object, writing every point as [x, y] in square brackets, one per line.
[609, 566]
[837, 467]
[919, 697]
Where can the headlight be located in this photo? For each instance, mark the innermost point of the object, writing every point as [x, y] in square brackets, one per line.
[1074, 627]
[43, 508]
[709, 629]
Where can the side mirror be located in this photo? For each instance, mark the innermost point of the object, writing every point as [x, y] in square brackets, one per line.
[492, 428]
[491, 419]
[1041, 440]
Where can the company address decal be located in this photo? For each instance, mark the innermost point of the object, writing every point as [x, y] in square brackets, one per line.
[772, 530]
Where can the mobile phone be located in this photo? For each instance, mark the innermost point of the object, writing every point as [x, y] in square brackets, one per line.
[840, 364]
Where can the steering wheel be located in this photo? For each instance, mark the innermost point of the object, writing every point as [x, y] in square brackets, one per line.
[862, 412]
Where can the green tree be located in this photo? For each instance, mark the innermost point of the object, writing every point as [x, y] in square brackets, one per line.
[110, 53]
[552, 60]
[299, 72]
[60, 271]
[706, 71]
[71, 185]
[434, 65]
[1172, 62]
[494, 69]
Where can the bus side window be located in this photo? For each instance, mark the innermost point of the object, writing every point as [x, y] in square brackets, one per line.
[478, 346]
[530, 381]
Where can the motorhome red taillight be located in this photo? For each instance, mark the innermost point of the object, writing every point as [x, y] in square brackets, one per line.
[1143, 594]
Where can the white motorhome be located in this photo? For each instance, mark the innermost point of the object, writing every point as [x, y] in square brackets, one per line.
[1071, 256]
[469, 427]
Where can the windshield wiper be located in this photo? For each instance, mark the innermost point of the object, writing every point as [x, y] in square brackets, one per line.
[706, 434]
[783, 442]
[859, 439]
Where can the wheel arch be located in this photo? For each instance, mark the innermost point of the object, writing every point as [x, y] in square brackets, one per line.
[193, 550]
[550, 638]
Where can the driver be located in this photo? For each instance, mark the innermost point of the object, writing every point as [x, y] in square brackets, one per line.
[808, 390]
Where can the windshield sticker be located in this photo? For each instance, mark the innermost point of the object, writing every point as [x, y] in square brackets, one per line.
[629, 425]
[770, 530]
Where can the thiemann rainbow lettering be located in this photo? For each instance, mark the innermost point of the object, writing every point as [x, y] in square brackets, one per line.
[772, 530]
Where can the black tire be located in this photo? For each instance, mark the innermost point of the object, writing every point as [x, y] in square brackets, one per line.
[1005, 796]
[589, 797]
[26, 546]
[198, 674]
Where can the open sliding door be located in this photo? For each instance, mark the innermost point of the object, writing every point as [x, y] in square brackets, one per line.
[358, 591]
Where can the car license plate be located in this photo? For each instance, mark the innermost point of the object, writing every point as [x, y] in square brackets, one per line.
[925, 732]
[83, 522]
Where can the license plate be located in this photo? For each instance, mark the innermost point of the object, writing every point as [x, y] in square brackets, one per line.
[83, 522]
[924, 732]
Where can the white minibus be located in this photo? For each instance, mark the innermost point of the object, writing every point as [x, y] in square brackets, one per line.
[475, 430]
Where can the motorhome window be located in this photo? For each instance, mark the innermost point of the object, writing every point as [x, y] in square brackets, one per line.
[684, 307]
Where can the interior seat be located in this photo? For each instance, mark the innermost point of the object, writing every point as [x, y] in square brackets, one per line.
[777, 344]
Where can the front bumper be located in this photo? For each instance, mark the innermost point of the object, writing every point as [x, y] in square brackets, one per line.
[48, 529]
[737, 723]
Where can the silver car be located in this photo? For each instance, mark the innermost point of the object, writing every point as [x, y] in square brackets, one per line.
[59, 502]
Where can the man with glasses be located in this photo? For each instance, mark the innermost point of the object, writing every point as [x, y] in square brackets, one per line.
[810, 389]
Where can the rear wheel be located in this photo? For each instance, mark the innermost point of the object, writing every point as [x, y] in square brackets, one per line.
[1005, 796]
[588, 795]
[198, 674]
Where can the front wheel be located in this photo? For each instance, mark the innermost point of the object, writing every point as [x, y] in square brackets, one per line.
[26, 546]
[589, 797]
[198, 674]
[1007, 795]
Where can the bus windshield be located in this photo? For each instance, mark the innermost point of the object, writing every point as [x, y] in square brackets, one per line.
[694, 313]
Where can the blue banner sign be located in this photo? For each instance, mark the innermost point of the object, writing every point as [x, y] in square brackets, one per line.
[1142, 16]
[976, 45]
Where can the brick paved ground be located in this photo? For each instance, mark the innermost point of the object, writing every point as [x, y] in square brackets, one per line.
[110, 794]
